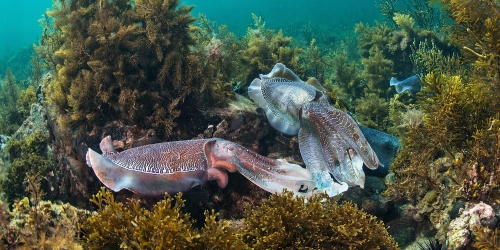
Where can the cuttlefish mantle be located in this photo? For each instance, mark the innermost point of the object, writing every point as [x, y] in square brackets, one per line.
[171, 167]
[281, 94]
[411, 84]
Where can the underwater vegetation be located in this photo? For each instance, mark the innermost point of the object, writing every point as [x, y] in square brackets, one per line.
[123, 62]
[315, 222]
[149, 70]
[128, 225]
[427, 14]
[460, 118]
[15, 103]
[29, 158]
[34, 223]
[452, 156]
[266, 48]
[386, 51]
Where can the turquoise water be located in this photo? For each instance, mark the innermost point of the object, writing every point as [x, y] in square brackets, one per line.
[19, 19]
[19, 23]
[334, 14]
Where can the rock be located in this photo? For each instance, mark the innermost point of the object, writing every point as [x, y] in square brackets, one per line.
[3, 141]
[385, 146]
[36, 122]
[473, 215]
[403, 230]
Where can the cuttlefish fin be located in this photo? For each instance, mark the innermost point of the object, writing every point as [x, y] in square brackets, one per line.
[280, 70]
[110, 174]
[106, 145]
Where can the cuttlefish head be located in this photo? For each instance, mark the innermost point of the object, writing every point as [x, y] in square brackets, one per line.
[329, 122]
[269, 174]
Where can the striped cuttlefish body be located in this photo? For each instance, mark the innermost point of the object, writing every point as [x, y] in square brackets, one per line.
[171, 167]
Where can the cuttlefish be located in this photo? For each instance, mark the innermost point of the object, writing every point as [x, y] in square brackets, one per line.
[171, 167]
[411, 84]
[330, 141]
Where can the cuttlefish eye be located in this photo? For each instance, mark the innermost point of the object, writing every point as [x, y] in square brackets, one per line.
[303, 188]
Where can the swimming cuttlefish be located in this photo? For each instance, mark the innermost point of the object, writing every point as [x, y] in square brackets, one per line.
[171, 167]
[330, 141]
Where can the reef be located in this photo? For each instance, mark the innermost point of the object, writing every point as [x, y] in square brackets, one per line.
[147, 72]
[451, 153]
[34, 223]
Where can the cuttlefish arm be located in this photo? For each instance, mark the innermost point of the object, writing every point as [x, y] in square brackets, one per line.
[312, 154]
[172, 167]
[328, 147]
[267, 173]
[342, 145]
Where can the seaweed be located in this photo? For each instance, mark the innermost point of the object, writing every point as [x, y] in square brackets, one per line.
[37, 224]
[346, 77]
[285, 222]
[475, 31]
[426, 13]
[455, 149]
[11, 118]
[129, 225]
[265, 48]
[29, 158]
[124, 60]
[486, 239]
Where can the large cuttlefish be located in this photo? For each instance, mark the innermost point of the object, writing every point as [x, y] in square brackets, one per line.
[330, 141]
[171, 167]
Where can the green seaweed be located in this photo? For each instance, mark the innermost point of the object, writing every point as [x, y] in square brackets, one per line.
[124, 60]
[129, 225]
[265, 48]
[286, 222]
[29, 158]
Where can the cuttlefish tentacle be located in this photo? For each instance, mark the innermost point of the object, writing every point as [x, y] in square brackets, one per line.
[173, 167]
[345, 126]
[313, 156]
[338, 156]
[269, 174]
[342, 144]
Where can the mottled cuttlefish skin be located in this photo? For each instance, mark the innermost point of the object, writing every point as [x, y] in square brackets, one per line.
[342, 145]
[281, 99]
[330, 141]
[171, 167]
